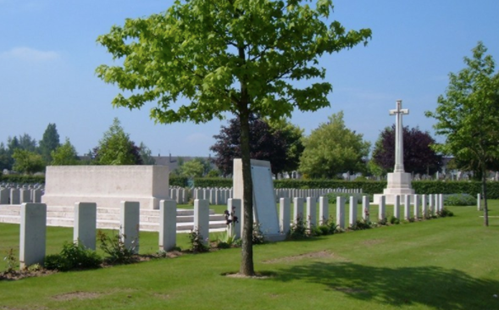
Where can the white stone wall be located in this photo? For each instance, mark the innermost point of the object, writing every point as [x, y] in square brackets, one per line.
[106, 185]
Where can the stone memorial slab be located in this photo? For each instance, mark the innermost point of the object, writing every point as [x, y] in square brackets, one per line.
[382, 208]
[33, 234]
[340, 212]
[352, 220]
[284, 215]
[15, 197]
[4, 196]
[298, 209]
[365, 208]
[323, 210]
[129, 221]
[202, 219]
[407, 207]
[396, 207]
[234, 207]
[167, 225]
[85, 224]
[311, 212]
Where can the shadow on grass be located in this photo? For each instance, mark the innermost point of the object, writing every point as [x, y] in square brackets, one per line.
[435, 287]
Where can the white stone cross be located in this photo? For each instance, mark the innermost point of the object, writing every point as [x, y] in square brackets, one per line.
[399, 136]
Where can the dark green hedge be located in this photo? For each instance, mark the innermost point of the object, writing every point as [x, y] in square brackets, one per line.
[212, 182]
[178, 181]
[22, 179]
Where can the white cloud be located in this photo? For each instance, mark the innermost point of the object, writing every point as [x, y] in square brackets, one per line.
[29, 54]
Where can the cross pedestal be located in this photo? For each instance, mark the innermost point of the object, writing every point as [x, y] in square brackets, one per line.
[399, 182]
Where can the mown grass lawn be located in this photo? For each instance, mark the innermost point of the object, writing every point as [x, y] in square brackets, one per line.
[446, 263]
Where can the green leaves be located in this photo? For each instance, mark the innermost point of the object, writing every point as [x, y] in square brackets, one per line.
[213, 56]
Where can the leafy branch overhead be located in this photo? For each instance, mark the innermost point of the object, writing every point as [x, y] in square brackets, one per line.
[218, 55]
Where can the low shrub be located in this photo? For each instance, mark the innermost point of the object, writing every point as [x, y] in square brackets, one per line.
[298, 229]
[445, 212]
[114, 246]
[73, 256]
[197, 241]
[459, 200]
[394, 220]
[258, 237]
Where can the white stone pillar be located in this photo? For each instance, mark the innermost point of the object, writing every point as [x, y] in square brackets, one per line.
[4, 196]
[365, 208]
[15, 198]
[478, 202]
[167, 225]
[202, 219]
[323, 210]
[441, 202]
[85, 224]
[352, 221]
[407, 207]
[311, 212]
[25, 195]
[130, 221]
[382, 208]
[33, 234]
[424, 205]
[396, 207]
[284, 215]
[431, 201]
[298, 209]
[234, 207]
[340, 212]
[416, 207]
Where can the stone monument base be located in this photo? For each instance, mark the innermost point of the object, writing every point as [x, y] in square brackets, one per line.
[399, 183]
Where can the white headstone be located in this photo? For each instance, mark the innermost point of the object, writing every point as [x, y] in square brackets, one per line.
[284, 215]
[85, 224]
[167, 225]
[33, 234]
[323, 210]
[129, 221]
[311, 212]
[340, 212]
[353, 212]
[202, 219]
[234, 207]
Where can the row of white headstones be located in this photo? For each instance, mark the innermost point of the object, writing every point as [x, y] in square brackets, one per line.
[34, 215]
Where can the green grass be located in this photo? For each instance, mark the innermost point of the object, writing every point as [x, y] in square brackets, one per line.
[447, 263]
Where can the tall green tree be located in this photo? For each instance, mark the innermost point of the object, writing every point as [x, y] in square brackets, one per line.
[293, 137]
[201, 59]
[116, 148]
[192, 169]
[50, 141]
[64, 155]
[468, 116]
[332, 149]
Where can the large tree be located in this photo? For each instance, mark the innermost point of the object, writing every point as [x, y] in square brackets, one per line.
[265, 144]
[332, 149]
[64, 155]
[201, 59]
[27, 161]
[50, 141]
[293, 138]
[468, 116]
[116, 148]
[419, 157]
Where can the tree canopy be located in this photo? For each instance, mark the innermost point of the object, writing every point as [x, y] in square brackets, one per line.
[64, 155]
[332, 149]
[265, 144]
[201, 59]
[27, 162]
[50, 141]
[419, 157]
[468, 116]
[116, 148]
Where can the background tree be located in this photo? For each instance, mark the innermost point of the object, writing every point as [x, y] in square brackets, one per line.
[419, 157]
[5, 158]
[332, 149]
[49, 142]
[192, 169]
[468, 116]
[27, 143]
[264, 145]
[293, 137]
[146, 155]
[64, 155]
[116, 148]
[240, 57]
[27, 162]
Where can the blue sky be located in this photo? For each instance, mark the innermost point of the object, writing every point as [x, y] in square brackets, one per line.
[48, 56]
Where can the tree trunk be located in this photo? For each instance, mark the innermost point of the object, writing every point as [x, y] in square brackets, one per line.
[484, 193]
[247, 267]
